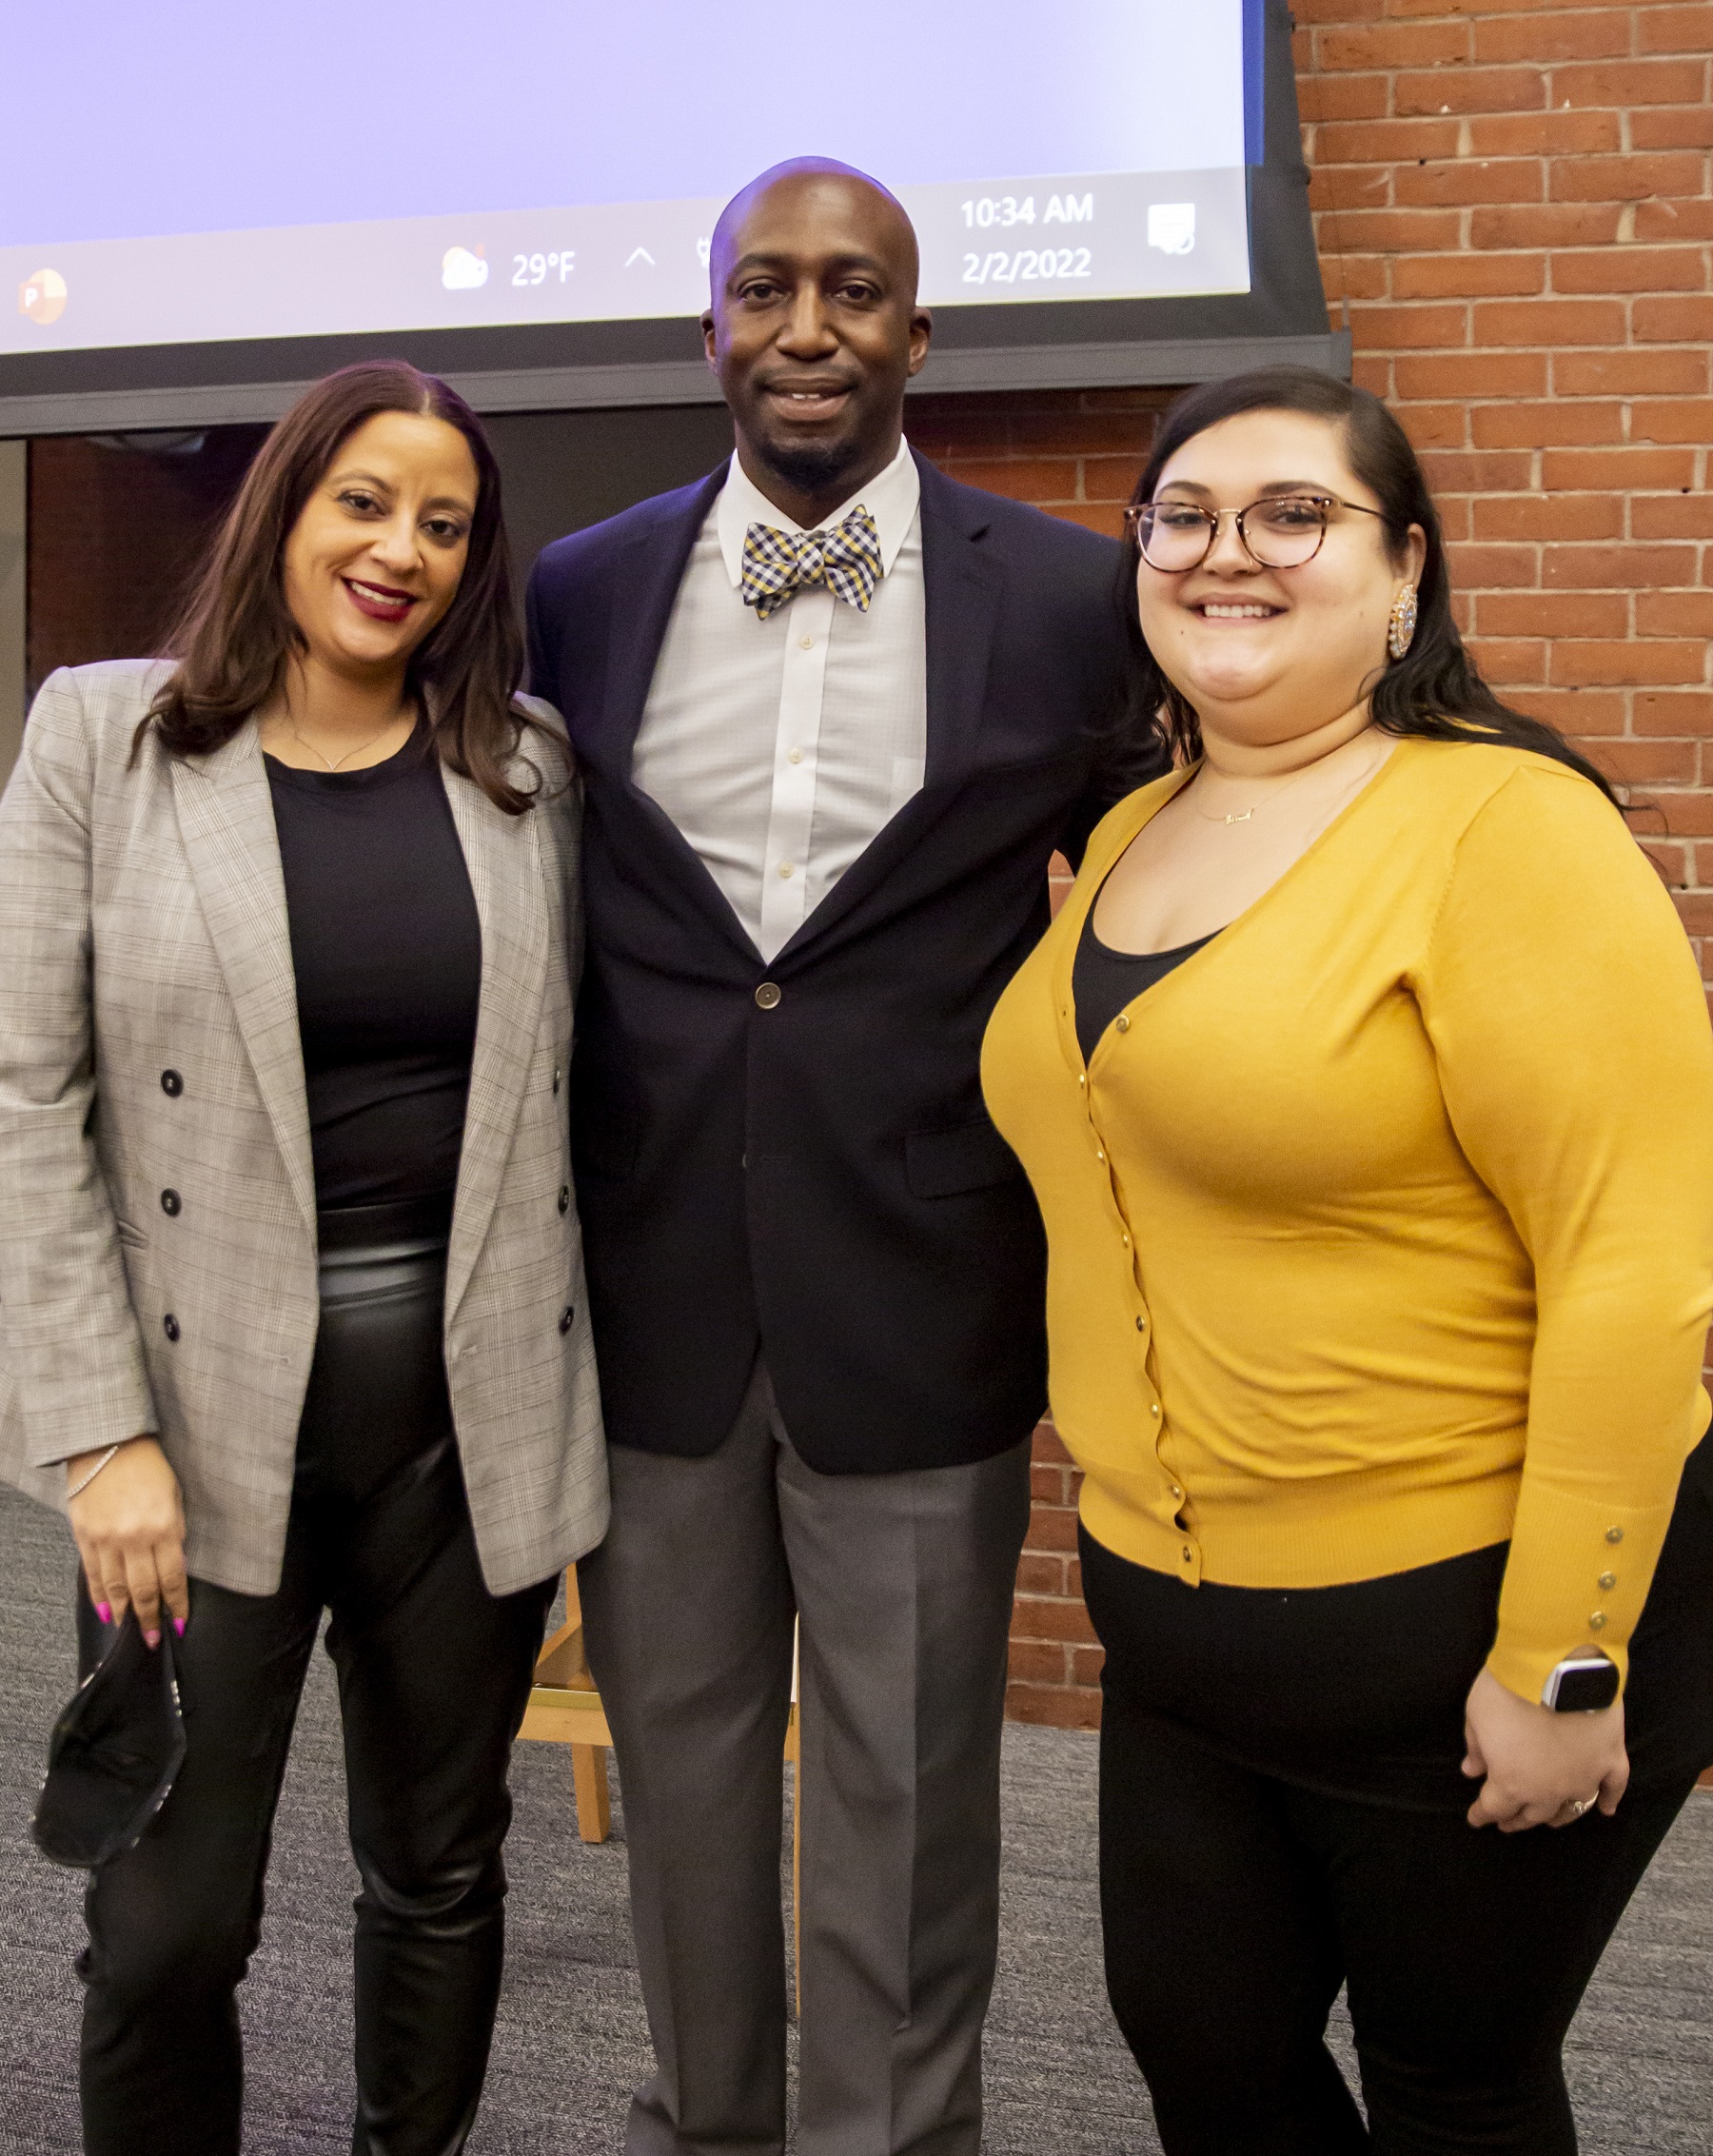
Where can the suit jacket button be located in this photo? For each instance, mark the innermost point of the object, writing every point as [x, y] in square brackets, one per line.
[568, 1316]
[768, 996]
[565, 1198]
[171, 1204]
[171, 1084]
[557, 1075]
[170, 1325]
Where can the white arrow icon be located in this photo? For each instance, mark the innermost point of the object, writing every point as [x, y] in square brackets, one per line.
[640, 254]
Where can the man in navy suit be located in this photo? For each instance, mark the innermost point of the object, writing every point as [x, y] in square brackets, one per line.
[833, 714]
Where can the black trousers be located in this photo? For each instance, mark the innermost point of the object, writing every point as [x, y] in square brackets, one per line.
[433, 1672]
[1282, 1812]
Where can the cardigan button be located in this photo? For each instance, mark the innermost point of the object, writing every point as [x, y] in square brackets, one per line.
[1608, 1579]
[1121, 1023]
[170, 1325]
[1614, 1534]
[768, 996]
[171, 1204]
[1597, 1620]
[171, 1084]
[1154, 1409]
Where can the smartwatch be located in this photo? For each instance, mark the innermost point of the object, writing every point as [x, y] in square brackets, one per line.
[1582, 1684]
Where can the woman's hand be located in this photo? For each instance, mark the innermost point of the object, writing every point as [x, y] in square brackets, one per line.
[1539, 1766]
[129, 1527]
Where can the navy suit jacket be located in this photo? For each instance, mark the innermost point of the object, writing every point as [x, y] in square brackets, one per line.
[811, 1172]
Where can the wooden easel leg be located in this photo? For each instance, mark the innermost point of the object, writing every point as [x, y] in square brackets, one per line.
[589, 1782]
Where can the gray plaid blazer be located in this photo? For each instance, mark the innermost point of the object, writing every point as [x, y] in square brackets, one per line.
[143, 929]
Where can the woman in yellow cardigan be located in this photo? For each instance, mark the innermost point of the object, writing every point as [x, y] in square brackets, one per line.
[1367, 1087]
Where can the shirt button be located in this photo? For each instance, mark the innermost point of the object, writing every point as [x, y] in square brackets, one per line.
[1608, 1579]
[786, 868]
[170, 1325]
[565, 1198]
[794, 755]
[1614, 1534]
[568, 1317]
[767, 996]
[171, 1204]
[171, 1084]
[806, 643]
[1121, 1023]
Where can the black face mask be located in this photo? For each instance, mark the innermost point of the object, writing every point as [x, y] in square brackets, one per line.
[113, 1754]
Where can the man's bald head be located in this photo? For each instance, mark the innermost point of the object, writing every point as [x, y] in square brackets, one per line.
[798, 182]
[814, 330]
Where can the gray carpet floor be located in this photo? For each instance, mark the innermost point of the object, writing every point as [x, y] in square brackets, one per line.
[572, 2040]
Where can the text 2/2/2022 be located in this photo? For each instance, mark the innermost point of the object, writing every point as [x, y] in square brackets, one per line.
[1029, 266]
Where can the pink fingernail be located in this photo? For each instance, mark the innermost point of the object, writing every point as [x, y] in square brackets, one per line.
[153, 1638]
[104, 1611]
[178, 1626]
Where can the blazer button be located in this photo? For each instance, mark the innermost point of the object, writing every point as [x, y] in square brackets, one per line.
[568, 1317]
[170, 1325]
[171, 1084]
[768, 996]
[171, 1204]
[564, 1200]
[557, 1075]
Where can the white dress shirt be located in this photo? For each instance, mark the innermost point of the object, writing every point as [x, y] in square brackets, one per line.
[780, 748]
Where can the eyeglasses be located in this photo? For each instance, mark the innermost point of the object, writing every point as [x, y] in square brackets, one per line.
[1281, 533]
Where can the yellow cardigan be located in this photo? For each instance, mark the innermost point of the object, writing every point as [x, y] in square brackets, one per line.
[1382, 1229]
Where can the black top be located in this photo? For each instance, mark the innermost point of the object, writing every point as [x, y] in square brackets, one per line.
[387, 951]
[1103, 981]
[812, 1174]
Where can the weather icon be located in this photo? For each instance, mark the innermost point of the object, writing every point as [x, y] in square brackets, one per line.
[42, 296]
[462, 269]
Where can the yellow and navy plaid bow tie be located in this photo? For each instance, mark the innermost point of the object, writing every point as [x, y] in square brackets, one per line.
[845, 559]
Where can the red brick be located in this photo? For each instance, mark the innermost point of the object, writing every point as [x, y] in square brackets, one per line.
[1556, 34]
[1049, 1485]
[1617, 568]
[1050, 1617]
[1487, 568]
[1512, 663]
[1683, 815]
[1471, 89]
[1573, 660]
[1672, 126]
[1436, 426]
[1546, 225]
[1674, 29]
[1624, 179]
[1356, 276]
[1063, 1708]
[1384, 142]
[1382, 231]
[1695, 910]
[1651, 373]
[1343, 97]
[1684, 418]
[1631, 763]
[1673, 220]
[1541, 134]
[1672, 516]
[1573, 469]
[1415, 328]
[1632, 82]
[1673, 862]
[1680, 321]
[1341, 188]
[1436, 375]
[1480, 472]
[1674, 613]
[1548, 516]
[1106, 519]
[1469, 180]
[1468, 276]
[1051, 1528]
[1036, 1662]
[1049, 1446]
[1672, 712]
[1394, 44]
[1041, 1575]
[1630, 269]
[1087, 1664]
[1552, 614]
[1548, 322]
[1544, 426]
[1578, 712]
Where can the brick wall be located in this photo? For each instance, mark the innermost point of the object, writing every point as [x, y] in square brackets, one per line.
[1514, 201]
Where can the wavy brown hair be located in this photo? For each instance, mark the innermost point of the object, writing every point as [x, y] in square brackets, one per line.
[236, 633]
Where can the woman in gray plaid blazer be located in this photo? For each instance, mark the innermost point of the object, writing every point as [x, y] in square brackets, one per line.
[291, 1301]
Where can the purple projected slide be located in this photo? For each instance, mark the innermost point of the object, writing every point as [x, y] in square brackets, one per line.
[185, 171]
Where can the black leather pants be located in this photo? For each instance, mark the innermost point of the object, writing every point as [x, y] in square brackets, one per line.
[433, 1676]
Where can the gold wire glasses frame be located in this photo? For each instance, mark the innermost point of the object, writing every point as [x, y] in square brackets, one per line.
[1176, 536]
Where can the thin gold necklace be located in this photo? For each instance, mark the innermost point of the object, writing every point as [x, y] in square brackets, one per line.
[331, 763]
[1245, 815]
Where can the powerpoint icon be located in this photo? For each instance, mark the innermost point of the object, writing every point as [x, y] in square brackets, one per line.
[42, 296]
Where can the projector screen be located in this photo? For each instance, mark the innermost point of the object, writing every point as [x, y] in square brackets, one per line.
[198, 200]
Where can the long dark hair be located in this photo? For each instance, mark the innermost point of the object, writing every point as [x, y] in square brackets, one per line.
[1435, 691]
[235, 634]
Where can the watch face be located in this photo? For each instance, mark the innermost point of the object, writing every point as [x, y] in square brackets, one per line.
[1585, 1687]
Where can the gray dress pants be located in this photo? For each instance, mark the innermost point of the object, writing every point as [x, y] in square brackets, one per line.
[904, 1585]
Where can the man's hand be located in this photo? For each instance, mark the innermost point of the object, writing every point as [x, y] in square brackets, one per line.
[1538, 1768]
[129, 1527]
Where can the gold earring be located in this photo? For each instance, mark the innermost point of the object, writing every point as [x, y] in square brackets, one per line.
[1401, 634]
